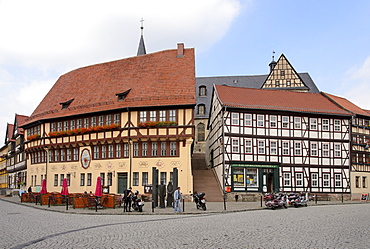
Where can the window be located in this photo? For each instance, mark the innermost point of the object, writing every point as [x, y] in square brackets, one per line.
[93, 121]
[86, 123]
[314, 180]
[50, 155]
[56, 155]
[75, 154]
[110, 151]
[172, 115]
[358, 182]
[201, 133]
[65, 126]
[235, 145]
[337, 126]
[285, 122]
[297, 123]
[55, 180]
[101, 120]
[235, 118]
[282, 73]
[142, 116]
[248, 119]
[69, 155]
[79, 123]
[313, 124]
[108, 119]
[125, 150]
[285, 148]
[144, 149]
[287, 179]
[337, 150]
[314, 149]
[273, 147]
[52, 127]
[202, 91]
[325, 150]
[136, 149]
[59, 126]
[297, 148]
[135, 180]
[338, 180]
[261, 147]
[299, 179]
[89, 176]
[116, 119]
[325, 124]
[103, 151]
[96, 152]
[144, 178]
[62, 155]
[162, 116]
[163, 149]
[72, 124]
[61, 179]
[102, 178]
[364, 182]
[173, 149]
[260, 121]
[326, 180]
[118, 150]
[152, 116]
[154, 149]
[248, 146]
[68, 179]
[277, 83]
[273, 121]
[288, 83]
[109, 176]
[163, 178]
[82, 179]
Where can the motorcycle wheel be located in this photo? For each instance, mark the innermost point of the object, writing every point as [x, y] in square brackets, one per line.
[295, 205]
[273, 208]
[204, 207]
[140, 209]
[285, 206]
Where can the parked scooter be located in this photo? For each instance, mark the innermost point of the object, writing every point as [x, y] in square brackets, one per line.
[200, 201]
[275, 201]
[297, 200]
[137, 203]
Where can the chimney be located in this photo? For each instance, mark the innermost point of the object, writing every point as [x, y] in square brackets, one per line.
[180, 50]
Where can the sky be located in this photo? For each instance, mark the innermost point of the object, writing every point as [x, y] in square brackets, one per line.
[40, 40]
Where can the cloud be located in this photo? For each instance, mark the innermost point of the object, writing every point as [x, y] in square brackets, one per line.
[43, 39]
[357, 87]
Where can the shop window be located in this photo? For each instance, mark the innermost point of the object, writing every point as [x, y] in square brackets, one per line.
[135, 181]
[238, 175]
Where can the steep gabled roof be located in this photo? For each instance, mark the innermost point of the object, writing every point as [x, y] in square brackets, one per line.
[9, 133]
[157, 79]
[264, 99]
[348, 105]
[19, 121]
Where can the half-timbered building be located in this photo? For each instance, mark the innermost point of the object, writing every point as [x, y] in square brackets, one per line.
[273, 140]
[116, 120]
[360, 146]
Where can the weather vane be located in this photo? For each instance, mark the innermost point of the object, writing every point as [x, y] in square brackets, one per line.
[273, 55]
[142, 25]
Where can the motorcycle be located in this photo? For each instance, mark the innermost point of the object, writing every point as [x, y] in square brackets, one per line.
[137, 203]
[200, 201]
[297, 200]
[275, 201]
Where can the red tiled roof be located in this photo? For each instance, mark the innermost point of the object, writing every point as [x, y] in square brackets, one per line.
[157, 79]
[10, 129]
[21, 119]
[348, 105]
[277, 100]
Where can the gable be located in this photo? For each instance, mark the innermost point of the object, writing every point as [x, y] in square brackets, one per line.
[284, 76]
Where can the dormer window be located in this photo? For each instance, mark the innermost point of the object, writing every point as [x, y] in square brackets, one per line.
[122, 96]
[202, 91]
[66, 104]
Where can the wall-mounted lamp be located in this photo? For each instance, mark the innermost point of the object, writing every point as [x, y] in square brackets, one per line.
[73, 174]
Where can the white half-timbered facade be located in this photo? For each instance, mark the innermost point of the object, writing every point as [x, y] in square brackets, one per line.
[273, 140]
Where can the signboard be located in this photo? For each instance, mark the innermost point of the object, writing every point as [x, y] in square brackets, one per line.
[148, 189]
[255, 165]
[364, 196]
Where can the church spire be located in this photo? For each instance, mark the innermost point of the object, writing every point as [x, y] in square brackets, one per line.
[141, 50]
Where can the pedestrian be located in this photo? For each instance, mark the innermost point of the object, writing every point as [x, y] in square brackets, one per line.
[177, 200]
[29, 189]
[127, 194]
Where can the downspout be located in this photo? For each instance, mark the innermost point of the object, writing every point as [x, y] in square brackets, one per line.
[223, 157]
[129, 148]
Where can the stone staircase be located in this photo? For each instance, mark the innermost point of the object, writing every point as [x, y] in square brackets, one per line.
[205, 179]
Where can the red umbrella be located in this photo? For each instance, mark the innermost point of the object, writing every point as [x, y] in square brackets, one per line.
[65, 187]
[99, 188]
[43, 187]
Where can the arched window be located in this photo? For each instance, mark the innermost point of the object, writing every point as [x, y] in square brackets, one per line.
[202, 91]
[201, 109]
[201, 132]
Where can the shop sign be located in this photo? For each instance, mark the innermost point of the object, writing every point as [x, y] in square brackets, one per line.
[255, 165]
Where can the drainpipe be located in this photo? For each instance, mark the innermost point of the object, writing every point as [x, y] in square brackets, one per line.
[223, 157]
[129, 148]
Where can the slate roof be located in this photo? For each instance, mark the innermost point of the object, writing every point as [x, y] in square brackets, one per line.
[264, 99]
[252, 81]
[348, 105]
[156, 79]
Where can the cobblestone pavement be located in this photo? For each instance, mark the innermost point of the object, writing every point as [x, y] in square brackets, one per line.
[324, 226]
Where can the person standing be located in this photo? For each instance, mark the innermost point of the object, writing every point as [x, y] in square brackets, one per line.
[29, 189]
[127, 200]
[177, 200]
